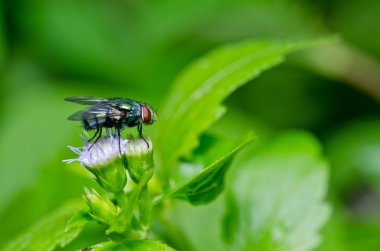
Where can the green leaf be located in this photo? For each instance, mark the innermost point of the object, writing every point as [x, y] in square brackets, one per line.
[193, 228]
[209, 183]
[77, 222]
[132, 245]
[279, 193]
[196, 96]
[53, 230]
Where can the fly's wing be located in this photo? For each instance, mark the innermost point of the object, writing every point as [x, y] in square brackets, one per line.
[87, 100]
[99, 111]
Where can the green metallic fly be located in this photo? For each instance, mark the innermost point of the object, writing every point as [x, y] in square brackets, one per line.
[114, 113]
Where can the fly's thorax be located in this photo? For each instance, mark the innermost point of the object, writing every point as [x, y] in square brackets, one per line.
[132, 117]
[125, 106]
[130, 120]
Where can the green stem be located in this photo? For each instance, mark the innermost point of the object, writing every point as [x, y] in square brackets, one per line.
[138, 198]
[139, 188]
[121, 199]
[145, 206]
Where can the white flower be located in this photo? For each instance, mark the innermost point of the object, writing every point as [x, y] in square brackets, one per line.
[139, 159]
[104, 151]
[138, 146]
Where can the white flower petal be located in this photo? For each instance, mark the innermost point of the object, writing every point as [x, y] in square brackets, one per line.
[102, 152]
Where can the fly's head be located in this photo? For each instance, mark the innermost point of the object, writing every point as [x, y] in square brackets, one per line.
[148, 115]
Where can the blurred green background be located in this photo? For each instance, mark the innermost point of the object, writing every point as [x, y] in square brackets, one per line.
[53, 49]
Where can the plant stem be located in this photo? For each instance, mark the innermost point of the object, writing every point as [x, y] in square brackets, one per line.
[137, 199]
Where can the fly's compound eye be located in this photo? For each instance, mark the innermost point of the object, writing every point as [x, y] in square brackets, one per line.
[146, 115]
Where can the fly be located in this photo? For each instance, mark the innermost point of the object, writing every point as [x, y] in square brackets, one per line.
[114, 113]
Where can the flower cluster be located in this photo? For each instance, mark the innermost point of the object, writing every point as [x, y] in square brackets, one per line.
[110, 159]
[102, 152]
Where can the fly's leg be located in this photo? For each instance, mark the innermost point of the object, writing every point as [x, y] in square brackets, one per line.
[139, 129]
[97, 129]
[100, 129]
[118, 134]
[100, 135]
[96, 133]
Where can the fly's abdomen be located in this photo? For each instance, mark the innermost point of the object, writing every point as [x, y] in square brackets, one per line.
[95, 123]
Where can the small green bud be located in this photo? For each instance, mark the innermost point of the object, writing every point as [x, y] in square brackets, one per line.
[112, 176]
[139, 159]
[101, 209]
[103, 159]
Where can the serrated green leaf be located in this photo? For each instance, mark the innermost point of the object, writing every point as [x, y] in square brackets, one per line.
[195, 99]
[209, 183]
[146, 245]
[280, 196]
[54, 230]
[75, 225]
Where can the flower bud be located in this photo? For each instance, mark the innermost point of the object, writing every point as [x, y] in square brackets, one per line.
[103, 159]
[139, 159]
[101, 209]
[112, 176]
